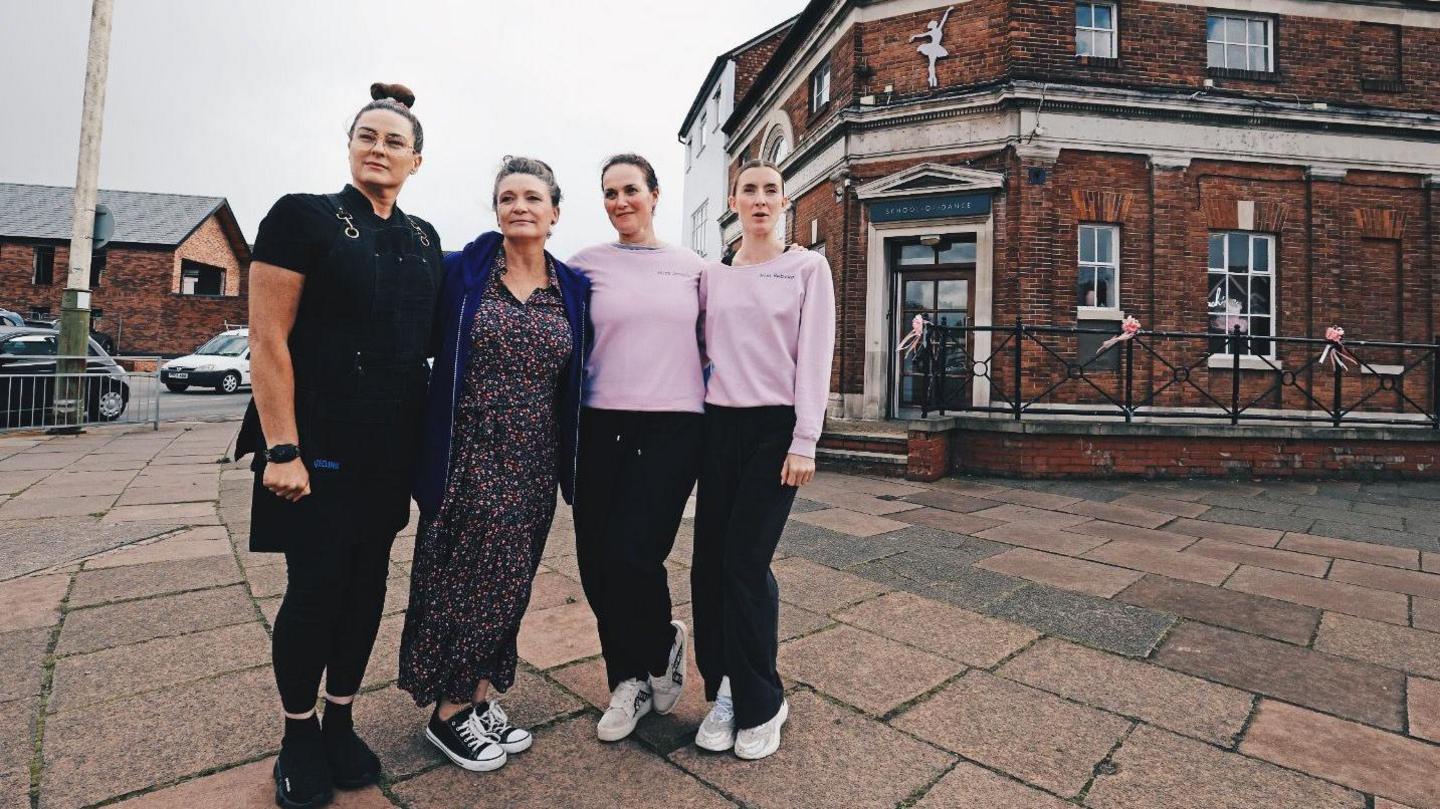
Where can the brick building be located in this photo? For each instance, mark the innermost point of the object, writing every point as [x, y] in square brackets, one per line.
[171, 277]
[1235, 171]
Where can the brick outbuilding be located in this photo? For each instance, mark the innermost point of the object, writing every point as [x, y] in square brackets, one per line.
[173, 275]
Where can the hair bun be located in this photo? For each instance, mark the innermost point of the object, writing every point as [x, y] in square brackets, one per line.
[398, 92]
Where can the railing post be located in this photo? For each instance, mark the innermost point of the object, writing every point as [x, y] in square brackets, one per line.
[1235, 375]
[944, 360]
[1335, 395]
[1129, 378]
[1435, 379]
[1019, 336]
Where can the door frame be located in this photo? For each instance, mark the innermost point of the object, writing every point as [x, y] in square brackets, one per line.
[897, 293]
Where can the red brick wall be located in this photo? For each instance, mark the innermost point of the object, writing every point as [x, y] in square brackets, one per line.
[749, 61]
[1163, 44]
[1039, 456]
[138, 292]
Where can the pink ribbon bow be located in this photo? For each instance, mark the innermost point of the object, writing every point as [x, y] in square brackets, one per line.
[915, 338]
[1129, 327]
[1335, 351]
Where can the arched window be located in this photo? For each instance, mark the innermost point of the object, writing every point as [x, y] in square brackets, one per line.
[777, 148]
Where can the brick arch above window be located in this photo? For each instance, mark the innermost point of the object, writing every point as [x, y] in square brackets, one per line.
[1100, 206]
[1228, 213]
[777, 125]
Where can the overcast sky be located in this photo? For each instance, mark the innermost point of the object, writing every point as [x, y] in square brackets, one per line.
[250, 99]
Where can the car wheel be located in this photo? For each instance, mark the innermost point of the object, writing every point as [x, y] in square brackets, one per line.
[176, 387]
[110, 405]
[229, 383]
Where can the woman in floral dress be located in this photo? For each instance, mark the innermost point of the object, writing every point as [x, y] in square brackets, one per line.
[500, 435]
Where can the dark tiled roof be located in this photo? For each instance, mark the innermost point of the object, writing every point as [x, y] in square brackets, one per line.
[44, 212]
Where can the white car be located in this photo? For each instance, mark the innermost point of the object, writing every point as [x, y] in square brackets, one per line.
[223, 363]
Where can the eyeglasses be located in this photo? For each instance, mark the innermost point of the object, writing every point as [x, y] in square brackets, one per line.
[393, 145]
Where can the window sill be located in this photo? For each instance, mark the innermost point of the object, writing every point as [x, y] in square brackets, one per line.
[1103, 62]
[1382, 370]
[1269, 76]
[1098, 313]
[1248, 362]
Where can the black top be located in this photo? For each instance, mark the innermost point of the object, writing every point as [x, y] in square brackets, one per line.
[299, 229]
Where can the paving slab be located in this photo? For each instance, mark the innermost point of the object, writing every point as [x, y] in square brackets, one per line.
[68, 484]
[853, 523]
[796, 621]
[1379, 577]
[1396, 647]
[1359, 533]
[1021, 496]
[196, 543]
[951, 501]
[829, 758]
[158, 737]
[1042, 538]
[559, 635]
[194, 492]
[1256, 615]
[552, 590]
[267, 581]
[969, 785]
[1263, 537]
[1300, 521]
[1167, 540]
[1064, 572]
[22, 658]
[947, 520]
[1116, 513]
[1095, 622]
[1027, 514]
[565, 767]
[1347, 753]
[836, 549]
[937, 627]
[1337, 685]
[183, 513]
[17, 747]
[16, 482]
[1422, 700]
[98, 628]
[249, 786]
[32, 601]
[1260, 504]
[384, 663]
[1160, 770]
[29, 508]
[33, 461]
[820, 589]
[82, 680]
[1165, 505]
[1322, 593]
[868, 671]
[140, 581]
[1187, 705]
[1272, 558]
[1029, 734]
[34, 545]
[1175, 565]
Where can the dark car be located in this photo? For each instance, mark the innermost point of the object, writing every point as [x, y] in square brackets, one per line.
[27, 379]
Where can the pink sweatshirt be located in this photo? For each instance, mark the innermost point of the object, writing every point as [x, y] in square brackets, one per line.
[645, 306]
[770, 337]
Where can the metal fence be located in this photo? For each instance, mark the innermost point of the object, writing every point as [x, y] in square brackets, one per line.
[1058, 371]
[127, 392]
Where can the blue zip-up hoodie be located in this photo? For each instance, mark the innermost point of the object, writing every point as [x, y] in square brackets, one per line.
[466, 274]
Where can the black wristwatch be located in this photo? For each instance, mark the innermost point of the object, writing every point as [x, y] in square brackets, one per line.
[282, 453]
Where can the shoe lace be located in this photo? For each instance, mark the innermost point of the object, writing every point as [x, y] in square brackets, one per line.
[724, 710]
[624, 695]
[475, 738]
[492, 722]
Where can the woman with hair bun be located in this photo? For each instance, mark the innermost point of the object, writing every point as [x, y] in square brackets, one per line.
[639, 444]
[342, 303]
[501, 427]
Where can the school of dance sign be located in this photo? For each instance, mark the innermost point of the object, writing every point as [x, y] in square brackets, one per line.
[937, 207]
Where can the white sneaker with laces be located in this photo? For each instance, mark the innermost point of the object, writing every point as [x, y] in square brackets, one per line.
[761, 741]
[628, 702]
[717, 732]
[666, 688]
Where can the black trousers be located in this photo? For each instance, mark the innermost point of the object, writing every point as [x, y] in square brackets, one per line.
[328, 620]
[740, 512]
[636, 472]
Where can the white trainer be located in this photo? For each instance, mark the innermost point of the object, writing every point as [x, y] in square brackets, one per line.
[761, 741]
[717, 732]
[628, 702]
[666, 688]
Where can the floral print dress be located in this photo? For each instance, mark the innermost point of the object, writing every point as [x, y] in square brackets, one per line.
[476, 558]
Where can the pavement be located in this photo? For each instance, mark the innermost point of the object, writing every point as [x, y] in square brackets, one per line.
[972, 642]
[202, 404]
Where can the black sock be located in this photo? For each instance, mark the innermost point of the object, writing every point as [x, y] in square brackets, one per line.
[300, 730]
[338, 719]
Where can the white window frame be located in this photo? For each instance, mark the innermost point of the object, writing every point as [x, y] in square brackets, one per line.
[1220, 359]
[1267, 46]
[1093, 230]
[1092, 32]
[820, 86]
[702, 133]
[772, 152]
[698, 227]
[715, 108]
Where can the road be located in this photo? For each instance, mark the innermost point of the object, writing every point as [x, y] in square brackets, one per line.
[201, 404]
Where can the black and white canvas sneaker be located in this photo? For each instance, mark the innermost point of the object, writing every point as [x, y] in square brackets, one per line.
[464, 743]
[490, 720]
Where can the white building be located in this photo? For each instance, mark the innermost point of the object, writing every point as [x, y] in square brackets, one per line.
[706, 164]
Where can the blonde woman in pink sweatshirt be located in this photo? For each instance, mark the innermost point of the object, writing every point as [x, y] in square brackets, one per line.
[769, 335]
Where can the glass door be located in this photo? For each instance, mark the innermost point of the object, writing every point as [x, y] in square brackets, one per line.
[936, 282]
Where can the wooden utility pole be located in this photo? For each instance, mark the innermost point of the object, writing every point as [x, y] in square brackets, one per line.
[75, 306]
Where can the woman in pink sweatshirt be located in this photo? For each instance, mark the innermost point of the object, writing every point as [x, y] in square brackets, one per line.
[640, 430]
[769, 335]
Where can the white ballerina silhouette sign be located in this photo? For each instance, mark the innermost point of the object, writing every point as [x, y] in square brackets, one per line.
[933, 50]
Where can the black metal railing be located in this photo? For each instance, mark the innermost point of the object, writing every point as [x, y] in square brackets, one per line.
[1053, 370]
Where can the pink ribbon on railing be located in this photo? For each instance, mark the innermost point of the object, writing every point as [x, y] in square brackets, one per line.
[915, 338]
[1129, 327]
[1335, 351]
